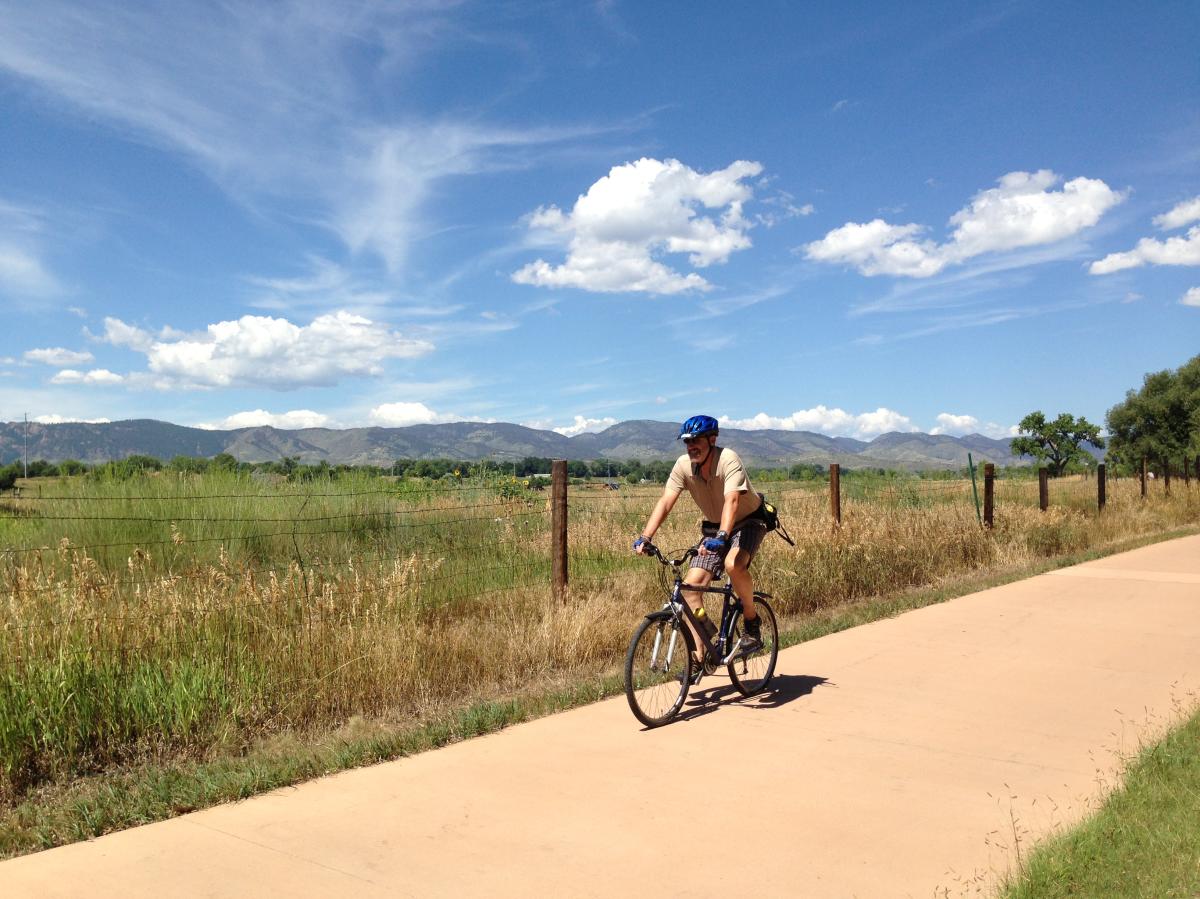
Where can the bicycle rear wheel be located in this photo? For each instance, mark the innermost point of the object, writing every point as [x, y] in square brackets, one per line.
[658, 670]
[751, 674]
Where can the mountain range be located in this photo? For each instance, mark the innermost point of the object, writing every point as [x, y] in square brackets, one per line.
[643, 440]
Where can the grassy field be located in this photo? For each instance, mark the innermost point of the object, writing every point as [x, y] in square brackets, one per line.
[174, 621]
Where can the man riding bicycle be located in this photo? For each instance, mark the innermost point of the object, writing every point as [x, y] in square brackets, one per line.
[732, 530]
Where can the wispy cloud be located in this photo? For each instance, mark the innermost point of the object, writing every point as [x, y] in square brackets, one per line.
[941, 324]
[730, 305]
[264, 100]
[24, 273]
[956, 287]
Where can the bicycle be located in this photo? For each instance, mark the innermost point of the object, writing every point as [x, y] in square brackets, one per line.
[661, 664]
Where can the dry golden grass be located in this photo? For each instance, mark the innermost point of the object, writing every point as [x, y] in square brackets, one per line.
[102, 665]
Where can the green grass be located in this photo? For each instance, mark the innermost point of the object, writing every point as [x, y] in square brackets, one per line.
[1143, 842]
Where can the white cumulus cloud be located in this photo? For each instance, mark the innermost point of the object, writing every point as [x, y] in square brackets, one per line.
[637, 212]
[877, 248]
[95, 376]
[1172, 251]
[399, 415]
[1191, 298]
[294, 420]
[1183, 214]
[960, 425]
[64, 419]
[1023, 211]
[58, 356]
[835, 422]
[949, 423]
[583, 425]
[270, 352]
[118, 333]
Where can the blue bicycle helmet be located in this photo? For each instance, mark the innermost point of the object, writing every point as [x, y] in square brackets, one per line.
[697, 426]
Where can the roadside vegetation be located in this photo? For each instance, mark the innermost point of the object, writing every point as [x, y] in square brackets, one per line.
[1143, 842]
[170, 640]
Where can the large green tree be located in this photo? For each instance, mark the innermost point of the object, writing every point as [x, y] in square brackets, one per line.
[1161, 421]
[1058, 443]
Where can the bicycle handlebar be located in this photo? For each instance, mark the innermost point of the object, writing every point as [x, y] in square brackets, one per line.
[656, 553]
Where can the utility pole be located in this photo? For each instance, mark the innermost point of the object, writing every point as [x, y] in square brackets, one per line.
[26, 444]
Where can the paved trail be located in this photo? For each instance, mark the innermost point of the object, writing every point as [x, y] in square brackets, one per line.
[895, 759]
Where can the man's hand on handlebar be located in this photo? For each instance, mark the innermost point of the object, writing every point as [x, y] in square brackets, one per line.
[642, 546]
[718, 544]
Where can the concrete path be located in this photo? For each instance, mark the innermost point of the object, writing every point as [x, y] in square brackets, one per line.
[902, 758]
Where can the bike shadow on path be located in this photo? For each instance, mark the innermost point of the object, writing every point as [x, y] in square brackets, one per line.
[784, 688]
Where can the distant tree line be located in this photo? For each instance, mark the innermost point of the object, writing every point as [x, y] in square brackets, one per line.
[529, 468]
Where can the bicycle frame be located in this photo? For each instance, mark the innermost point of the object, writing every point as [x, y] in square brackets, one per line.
[678, 607]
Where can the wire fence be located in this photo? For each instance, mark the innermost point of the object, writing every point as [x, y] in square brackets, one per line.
[136, 612]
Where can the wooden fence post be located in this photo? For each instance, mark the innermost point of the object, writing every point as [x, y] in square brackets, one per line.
[835, 493]
[1143, 477]
[1187, 476]
[1043, 489]
[558, 529]
[1167, 476]
[1101, 477]
[989, 494]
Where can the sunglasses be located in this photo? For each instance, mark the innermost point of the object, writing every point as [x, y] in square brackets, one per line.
[690, 440]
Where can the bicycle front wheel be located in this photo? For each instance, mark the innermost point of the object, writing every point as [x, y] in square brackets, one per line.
[658, 670]
[751, 673]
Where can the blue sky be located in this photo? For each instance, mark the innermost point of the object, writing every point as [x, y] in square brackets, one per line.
[850, 218]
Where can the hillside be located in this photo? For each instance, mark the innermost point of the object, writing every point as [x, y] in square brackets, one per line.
[643, 440]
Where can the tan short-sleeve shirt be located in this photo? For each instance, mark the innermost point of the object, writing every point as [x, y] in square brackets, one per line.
[728, 476]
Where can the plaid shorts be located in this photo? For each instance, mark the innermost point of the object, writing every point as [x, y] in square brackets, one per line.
[747, 536]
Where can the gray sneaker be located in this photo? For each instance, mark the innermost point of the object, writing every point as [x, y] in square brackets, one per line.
[749, 644]
[751, 640]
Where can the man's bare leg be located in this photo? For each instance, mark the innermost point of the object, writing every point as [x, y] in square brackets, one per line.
[737, 566]
[696, 577]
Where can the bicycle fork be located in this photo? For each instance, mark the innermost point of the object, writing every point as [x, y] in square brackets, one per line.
[669, 652]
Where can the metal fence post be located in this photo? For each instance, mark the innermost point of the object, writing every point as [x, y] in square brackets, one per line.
[974, 489]
[989, 494]
[558, 529]
[1043, 489]
[835, 493]
[1101, 476]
